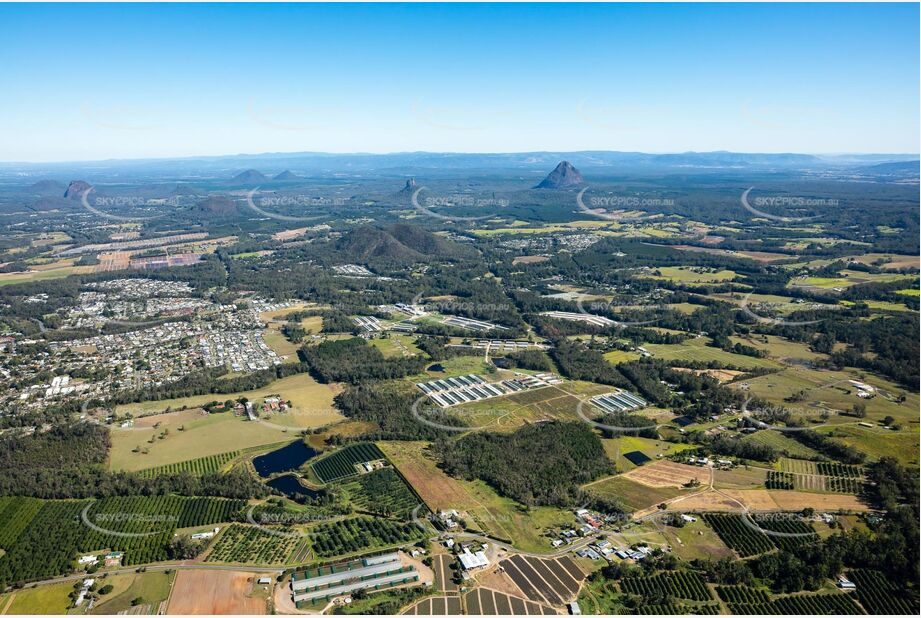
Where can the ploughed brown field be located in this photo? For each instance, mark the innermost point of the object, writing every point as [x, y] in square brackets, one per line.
[214, 592]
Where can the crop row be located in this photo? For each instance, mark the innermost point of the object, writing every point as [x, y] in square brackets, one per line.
[351, 535]
[15, 515]
[746, 540]
[878, 596]
[681, 584]
[843, 485]
[673, 609]
[814, 604]
[196, 467]
[779, 480]
[791, 531]
[382, 492]
[52, 532]
[742, 594]
[341, 464]
[251, 545]
[833, 468]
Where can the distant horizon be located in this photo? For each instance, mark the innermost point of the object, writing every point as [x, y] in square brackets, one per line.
[456, 152]
[167, 81]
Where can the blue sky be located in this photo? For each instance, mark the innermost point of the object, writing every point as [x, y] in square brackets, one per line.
[125, 81]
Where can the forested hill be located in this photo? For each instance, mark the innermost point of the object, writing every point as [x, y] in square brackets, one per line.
[539, 464]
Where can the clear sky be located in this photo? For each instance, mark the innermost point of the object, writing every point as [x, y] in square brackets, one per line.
[125, 81]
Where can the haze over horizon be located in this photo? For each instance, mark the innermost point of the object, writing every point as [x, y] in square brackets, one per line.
[177, 81]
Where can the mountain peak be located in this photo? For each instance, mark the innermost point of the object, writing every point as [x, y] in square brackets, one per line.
[76, 189]
[565, 175]
[410, 186]
[286, 175]
[250, 176]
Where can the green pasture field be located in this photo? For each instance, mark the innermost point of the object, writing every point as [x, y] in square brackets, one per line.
[213, 434]
[831, 390]
[512, 411]
[878, 442]
[696, 541]
[152, 586]
[781, 443]
[51, 599]
[616, 357]
[697, 350]
[741, 477]
[846, 279]
[616, 447]
[691, 274]
[880, 305]
[312, 402]
[779, 348]
[390, 346]
[634, 496]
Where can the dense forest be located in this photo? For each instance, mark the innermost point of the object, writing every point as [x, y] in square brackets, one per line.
[559, 456]
[69, 461]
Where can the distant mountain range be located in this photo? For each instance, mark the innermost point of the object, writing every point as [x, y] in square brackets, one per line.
[531, 166]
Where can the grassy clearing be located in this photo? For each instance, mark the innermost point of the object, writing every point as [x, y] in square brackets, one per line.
[152, 586]
[616, 447]
[52, 599]
[209, 435]
[692, 274]
[779, 348]
[312, 402]
[634, 496]
[616, 357]
[396, 346]
[453, 367]
[880, 305]
[513, 411]
[846, 279]
[280, 344]
[698, 350]
[781, 443]
[819, 390]
[696, 540]
[46, 273]
[878, 442]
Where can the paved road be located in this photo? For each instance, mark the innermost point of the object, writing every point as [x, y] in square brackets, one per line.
[175, 566]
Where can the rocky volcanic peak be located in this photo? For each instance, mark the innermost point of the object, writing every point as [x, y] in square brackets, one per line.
[250, 176]
[565, 175]
[286, 175]
[76, 189]
[410, 186]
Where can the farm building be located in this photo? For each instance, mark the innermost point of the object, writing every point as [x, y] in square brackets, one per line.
[473, 561]
[619, 401]
[325, 583]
